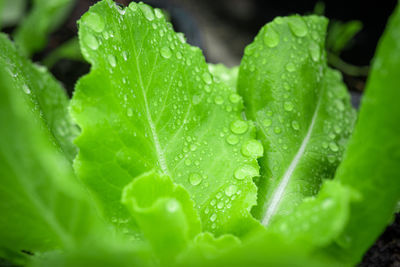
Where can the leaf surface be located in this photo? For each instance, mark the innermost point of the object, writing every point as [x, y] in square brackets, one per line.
[41, 204]
[371, 163]
[150, 102]
[45, 95]
[301, 109]
[164, 212]
[44, 17]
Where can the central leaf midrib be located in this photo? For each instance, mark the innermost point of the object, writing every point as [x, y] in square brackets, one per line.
[159, 151]
[280, 190]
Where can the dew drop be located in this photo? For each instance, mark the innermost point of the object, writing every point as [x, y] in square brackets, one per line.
[178, 55]
[158, 13]
[298, 27]
[213, 217]
[218, 100]
[206, 78]
[147, 12]
[125, 55]
[252, 148]
[220, 205]
[288, 106]
[91, 41]
[165, 52]
[129, 112]
[267, 122]
[94, 21]
[112, 60]
[290, 67]
[315, 52]
[333, 146]
[239, 127]
[271, 37]
[195, 179]
[231, 190]
[188, 162]
[245, 171]
[26, 89]
[277, 130]
[234, 98]
[232, 139]
[295, 125]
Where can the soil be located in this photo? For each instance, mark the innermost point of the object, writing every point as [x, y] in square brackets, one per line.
[222, 28]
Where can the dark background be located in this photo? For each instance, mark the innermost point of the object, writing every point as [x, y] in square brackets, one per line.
[222, 28]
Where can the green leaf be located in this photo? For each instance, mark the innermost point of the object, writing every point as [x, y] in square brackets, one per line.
[11, 11]
[68, 50]
[340, 34]
[321, 219]
[164, 212]
[301, 109]
[44, 17]
[41, 204]
[44, 95]
[371, 163]
[226, 75]
[150, 102]
[206, 246]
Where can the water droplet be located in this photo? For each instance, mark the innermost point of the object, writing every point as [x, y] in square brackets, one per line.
[288, 106]
[133, 6]
[213, 217]
[231, 190]
[295, 125]
[125, 55]
[271, 37]
[239, 127]
[94, 21]
[112, 60]
[234, 98]
[147, 12]
[193, 147]
[245, 171]
[188, 162]
[178, 55]
[333, 146]
[206, 78]
[165, 52]
[220, 205]
[158, 13]
[290, 67]
[26, 89]
[252, 148]
[218, 100]
[232, 139]
[129, 112]
[91, 41]
[277, 130]
[195, 179]
[267, 122]
[315, 52]
[298, 26]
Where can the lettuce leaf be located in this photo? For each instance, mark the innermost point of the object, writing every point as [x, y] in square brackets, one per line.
[43, 94]
[150, 102]
[371, 163]
[45, 16]
[42, 205]
[301, 109]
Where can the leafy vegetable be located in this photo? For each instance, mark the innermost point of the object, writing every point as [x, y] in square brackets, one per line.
[371, 161]
[42, 206]
[147, 115]
[301, 109]
[45, 16]
[168, 155]
[43, 94]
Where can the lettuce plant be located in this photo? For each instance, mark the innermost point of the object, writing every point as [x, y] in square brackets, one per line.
[161, 159]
